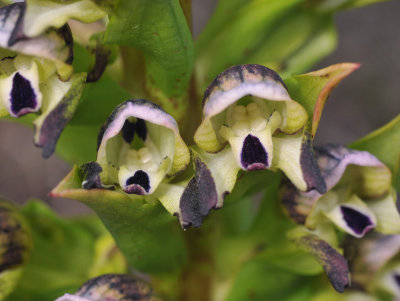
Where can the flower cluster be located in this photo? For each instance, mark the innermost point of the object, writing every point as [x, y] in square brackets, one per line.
[36, 75]
[250, 123]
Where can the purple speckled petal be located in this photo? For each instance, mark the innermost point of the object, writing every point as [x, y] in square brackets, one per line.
[334, 264]
[199, 197]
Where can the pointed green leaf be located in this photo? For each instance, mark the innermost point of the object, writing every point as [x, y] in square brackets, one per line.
[245, 30]
[312, 89]
[384, 143]
[159, 29]
[139, 227]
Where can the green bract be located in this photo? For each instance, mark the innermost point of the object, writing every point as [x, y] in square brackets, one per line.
[249, 118]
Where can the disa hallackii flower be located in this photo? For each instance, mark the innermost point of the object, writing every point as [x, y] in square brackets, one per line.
[251, 123]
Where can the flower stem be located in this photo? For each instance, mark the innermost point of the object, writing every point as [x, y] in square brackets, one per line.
[197, 274]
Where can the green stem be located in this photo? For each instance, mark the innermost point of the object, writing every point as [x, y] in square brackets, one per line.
[197, 275]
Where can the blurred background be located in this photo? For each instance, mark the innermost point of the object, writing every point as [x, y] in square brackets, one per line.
[366, 100]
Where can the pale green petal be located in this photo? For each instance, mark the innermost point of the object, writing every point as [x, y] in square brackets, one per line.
[385, 210]
[43, 14]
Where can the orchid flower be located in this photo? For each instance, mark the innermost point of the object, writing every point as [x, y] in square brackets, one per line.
[139, 152]
[251, 123]
[359, 196]
[36, 76]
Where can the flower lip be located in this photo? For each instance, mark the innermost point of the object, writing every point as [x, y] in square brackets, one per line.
[139, 183]
[358, 222]
[23, 96]
[253, 156]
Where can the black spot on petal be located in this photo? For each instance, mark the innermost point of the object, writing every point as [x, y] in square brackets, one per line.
[141, 129]
[253, 154]
[139, 183]
[357, 221]
[23, 98]
[397, 279]
[128, 131]
[91, 175]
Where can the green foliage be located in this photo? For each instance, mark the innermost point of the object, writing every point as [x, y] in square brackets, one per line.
[384, 143]
[62, 254]
[243, 251]
[139, 228]
[159, 29]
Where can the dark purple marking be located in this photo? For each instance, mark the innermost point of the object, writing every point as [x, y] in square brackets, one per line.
[199, 196]
[128, 131]
[358, 222]
[141, 129]
[310, 169]
[23, 98]
[397, 279]
[91, 175]
[253, 154]
[139, 183]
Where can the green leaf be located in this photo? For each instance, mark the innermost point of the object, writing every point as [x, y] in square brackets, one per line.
[320, 44]
[313, 89]
[148, 236]
[245, 30]
[384, 143]
[258, 280]
[62, 255]
[222, 15]
[159, 29]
